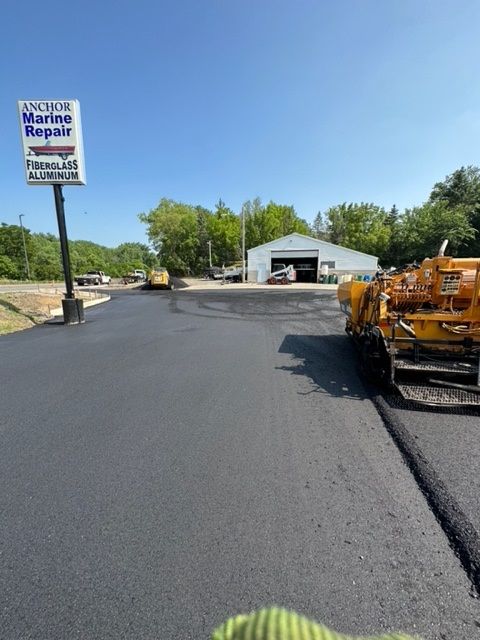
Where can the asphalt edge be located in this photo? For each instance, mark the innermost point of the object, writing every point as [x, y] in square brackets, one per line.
[198, 284]
[86, 304]
[463, 538]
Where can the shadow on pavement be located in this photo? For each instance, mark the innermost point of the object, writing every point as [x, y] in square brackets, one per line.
[333, 364]
[330, 363]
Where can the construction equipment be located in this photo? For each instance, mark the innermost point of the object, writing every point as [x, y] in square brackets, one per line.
[418, 329]
[285, 275]
[159, 278]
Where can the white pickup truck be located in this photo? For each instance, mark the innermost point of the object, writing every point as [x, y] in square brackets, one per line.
[232, 274]
[137, 275]
[92, 278]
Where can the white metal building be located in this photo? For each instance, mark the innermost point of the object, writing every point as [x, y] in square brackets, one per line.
[310, 258]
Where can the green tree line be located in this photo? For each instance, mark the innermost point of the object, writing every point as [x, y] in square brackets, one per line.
[44, 257]
[181, 233]
[451, 212]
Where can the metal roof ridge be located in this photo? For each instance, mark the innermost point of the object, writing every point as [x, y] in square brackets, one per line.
[324, 242]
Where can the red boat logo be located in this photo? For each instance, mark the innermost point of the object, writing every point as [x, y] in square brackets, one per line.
[50, 150]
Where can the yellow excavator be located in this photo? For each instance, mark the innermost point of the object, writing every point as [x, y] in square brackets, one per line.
[418, 329]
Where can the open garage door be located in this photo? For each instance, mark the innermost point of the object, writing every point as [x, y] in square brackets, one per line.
[305, 263]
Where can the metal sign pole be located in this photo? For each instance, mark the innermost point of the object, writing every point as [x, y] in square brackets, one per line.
[72, 309]
[62, 230]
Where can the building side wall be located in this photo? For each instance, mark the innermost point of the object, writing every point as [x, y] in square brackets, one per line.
[346, 261]
[259, 259]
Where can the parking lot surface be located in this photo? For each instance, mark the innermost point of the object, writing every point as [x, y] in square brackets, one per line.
[185, 456]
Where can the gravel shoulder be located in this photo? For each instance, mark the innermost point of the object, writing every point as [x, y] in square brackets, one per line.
[24, 309]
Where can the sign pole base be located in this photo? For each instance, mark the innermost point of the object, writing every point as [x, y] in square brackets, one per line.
[73, 312]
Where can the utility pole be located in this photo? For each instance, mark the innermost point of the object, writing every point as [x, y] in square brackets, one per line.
[209, 242]
[243, 245]
[27, 267]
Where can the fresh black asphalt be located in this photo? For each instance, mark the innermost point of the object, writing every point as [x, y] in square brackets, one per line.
[186, 456]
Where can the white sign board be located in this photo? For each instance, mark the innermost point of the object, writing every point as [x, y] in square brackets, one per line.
[52, 141]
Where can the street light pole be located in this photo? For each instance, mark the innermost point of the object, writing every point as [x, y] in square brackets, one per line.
[27, 267]
[209, 242]
[243, 244]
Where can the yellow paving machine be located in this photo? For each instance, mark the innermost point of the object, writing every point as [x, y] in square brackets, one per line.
[418, 329]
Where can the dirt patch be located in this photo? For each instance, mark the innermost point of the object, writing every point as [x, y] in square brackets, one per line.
[11, 321]
[24, 309]
[34, 306]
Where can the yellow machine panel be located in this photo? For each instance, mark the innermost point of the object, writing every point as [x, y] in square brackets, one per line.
[160, 279]
[423, 320]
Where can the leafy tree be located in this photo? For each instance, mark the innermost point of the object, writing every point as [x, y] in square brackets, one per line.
[393, 254]
[359, 226]
[85, 255]
[172, 229]
[203, 235]
[45, 261]
[129, 256]
[252, 210]
[224, 231]
[319, 227]
[8, 268]
[424, 229]
[282, 220]
[266, 223]
[45, 258]
[462, 188]
[393, 216]
[11, 246]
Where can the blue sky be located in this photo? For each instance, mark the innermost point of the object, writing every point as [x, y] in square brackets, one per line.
[303, 102]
